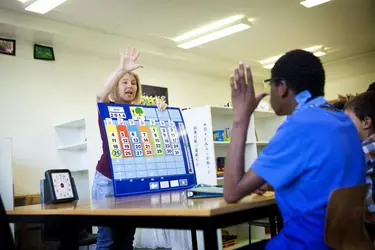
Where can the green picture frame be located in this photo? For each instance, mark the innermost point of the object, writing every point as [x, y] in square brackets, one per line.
[42, 52]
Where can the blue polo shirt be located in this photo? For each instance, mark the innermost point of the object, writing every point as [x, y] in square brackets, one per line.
[312, 153]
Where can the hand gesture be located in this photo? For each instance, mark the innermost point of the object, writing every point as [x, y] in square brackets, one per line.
[262, 189]
[128, 58]
[244, 101]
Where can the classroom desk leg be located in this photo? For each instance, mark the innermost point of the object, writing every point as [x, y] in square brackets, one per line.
[210, 239]
[273, 227]
[194, 242]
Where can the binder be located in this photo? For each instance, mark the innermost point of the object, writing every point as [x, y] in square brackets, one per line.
[204, 191]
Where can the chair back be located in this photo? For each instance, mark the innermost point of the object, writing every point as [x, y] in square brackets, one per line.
[6, 239]
[344, 225]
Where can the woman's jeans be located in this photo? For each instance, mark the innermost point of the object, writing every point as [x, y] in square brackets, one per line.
[110, 238]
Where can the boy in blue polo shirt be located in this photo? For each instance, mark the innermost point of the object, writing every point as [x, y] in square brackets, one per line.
[316, 150]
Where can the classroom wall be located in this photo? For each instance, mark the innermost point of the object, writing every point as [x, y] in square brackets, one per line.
[35, 95]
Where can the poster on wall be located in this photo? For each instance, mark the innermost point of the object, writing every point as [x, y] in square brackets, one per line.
[8, 47]
[154, 94]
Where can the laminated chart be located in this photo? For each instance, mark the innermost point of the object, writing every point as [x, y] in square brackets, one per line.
[149, 150]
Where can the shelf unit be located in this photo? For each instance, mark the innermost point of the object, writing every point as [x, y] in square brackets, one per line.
[71, 147]
[200, 123]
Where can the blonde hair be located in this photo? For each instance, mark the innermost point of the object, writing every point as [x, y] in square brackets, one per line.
[114, 95]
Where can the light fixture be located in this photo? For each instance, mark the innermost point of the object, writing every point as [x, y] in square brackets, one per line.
[222, 28]
[312, 3]
[208, 28]
[269, 66]
[317, 50]
[319, 53]
[44, 6]
[22, 1]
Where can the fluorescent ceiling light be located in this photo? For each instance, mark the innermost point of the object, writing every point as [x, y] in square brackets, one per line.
[208, 28]
[43, 6]
[22, 1]
[213, 36]
[269, 62]
[269, 66]
[312, 3]
[319, 53]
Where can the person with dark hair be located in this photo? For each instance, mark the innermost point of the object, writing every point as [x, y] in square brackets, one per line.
[371, 87]
[339, 105]
[361, 110]
[300, 161]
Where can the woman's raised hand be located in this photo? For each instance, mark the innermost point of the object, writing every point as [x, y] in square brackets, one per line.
[128, 60]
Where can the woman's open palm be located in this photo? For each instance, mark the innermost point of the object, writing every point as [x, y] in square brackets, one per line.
[128, 60]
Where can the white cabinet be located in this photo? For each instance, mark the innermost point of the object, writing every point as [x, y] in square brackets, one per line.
[200, 123]
[71, 141]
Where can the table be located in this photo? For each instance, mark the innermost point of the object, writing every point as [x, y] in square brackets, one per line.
[162, 210]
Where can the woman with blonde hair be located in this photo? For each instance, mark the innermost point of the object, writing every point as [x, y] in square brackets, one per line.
[123, 87]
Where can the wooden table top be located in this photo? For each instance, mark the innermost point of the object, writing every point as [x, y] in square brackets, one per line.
[160, 204]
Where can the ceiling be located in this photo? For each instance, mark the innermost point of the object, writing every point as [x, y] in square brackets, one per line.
[346, 27]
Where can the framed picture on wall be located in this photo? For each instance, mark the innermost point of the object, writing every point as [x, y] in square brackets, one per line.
[8, 46]
[152, 92]
[42, 52]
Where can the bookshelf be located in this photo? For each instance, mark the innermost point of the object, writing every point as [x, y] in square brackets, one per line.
[71, 141]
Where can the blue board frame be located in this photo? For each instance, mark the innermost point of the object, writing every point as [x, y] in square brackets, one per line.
[130, 129]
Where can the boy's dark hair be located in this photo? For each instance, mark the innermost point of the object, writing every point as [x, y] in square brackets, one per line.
[363, 106]
[371, 87]
[339, 105]
[302, 71]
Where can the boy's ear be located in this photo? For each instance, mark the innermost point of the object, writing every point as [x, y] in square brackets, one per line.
[367, 123]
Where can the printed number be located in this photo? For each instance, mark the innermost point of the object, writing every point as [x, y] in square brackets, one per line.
[166, 140]
[145, 139]
[148, 152]
[174, 140]
[131, 122]
[115, 146]
[126, 146]
[128, 153]
[125, 140]
[114, 140]
[159, 151]
[156, 135]
[116, 152]
[113, 134]
[169, 151]
[175, 146]
[152, 122]
[133, 134]
[163, 130]
[138, 153]
[158, 145]
[144, 134]
[111, 115]
[171, 123]
[165, 135]
[167, 145]
[162, 123]
[154, 130]
[173, 135]
[122, 134]
[138, 146]
[171, 130]
[157, 140]
[135, 139]
[147, 146]
[177, 152]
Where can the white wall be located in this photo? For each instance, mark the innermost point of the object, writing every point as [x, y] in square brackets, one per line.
[35, 95]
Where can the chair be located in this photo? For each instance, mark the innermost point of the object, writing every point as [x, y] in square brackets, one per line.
[6, 239]
[344, 225]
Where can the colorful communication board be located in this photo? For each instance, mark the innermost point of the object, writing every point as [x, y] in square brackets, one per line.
[149, 150]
